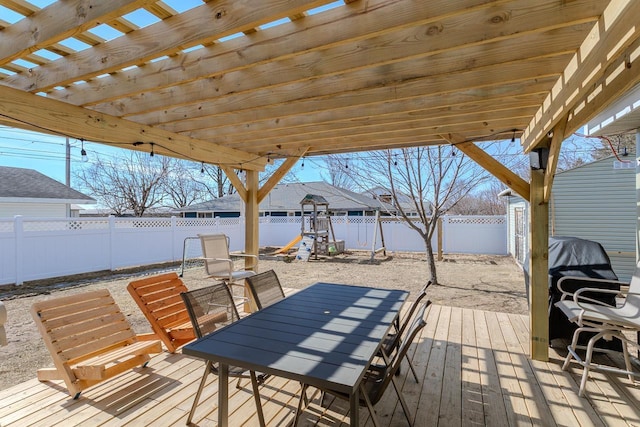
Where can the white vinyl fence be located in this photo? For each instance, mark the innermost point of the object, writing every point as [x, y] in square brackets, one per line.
[40, 248]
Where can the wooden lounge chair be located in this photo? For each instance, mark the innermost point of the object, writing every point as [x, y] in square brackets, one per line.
[89, 340]
[159, 300]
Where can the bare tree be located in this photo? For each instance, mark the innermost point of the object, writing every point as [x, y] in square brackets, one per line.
[181, 186]
[129, 182]
[482, 201]
[424, 183]
[337, 172]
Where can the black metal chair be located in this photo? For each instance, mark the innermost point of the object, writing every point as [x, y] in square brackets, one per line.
[393, 340]
[265, 288]
[378, 378]
[210, 308]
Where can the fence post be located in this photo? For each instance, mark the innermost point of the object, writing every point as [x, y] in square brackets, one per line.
[173, 238]
[440, 239]
[112, 239]
[18, 232]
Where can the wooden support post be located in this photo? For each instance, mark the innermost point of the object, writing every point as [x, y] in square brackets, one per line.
[251, 241]
[538, 269]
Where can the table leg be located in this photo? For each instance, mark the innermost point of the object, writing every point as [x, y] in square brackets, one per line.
[256, 396]
[354, 408]
[223, 395]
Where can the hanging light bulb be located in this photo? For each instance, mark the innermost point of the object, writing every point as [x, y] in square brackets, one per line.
[395, 160]
[453, 151]
[83, 152]
[513, 137]
[202, 168]
[151, 154]
[346, 164]
[302, 165]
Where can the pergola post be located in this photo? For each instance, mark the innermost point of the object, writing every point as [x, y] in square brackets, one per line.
[251, 229]
[538, 268]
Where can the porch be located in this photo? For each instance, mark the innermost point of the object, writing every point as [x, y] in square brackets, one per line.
[474, 368]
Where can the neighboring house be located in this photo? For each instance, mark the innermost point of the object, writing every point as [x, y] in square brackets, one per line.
[151, 212]
[595, 201]
[284, 200]
[384, 195]
[27, 192]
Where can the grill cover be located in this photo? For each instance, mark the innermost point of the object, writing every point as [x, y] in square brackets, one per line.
[572, 256]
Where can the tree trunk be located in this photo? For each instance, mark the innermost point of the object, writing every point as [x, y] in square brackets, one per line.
[430, 260]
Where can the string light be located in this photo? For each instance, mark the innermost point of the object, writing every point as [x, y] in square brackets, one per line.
[83, 152]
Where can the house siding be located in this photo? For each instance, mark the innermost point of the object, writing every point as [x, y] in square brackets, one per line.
[598, 202]
[40, 210]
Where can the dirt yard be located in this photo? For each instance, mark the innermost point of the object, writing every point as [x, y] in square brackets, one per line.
[487, 282]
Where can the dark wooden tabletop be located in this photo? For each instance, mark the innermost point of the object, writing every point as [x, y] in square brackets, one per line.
[326, 335]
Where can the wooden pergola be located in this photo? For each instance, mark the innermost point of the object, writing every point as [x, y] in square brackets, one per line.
[232, 83]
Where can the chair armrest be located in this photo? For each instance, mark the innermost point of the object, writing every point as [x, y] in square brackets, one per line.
[568, 285]
[578, 297]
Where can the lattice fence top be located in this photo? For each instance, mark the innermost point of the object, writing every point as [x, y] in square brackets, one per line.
[196, 222]
[64, 224]
[485, 220]
[6, 226]
[144, 223]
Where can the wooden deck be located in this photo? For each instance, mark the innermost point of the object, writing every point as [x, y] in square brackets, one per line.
[473, 366]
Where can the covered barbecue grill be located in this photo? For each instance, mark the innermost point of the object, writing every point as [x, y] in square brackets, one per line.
[574, 257]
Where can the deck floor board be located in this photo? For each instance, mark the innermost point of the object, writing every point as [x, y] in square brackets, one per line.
[473, 367]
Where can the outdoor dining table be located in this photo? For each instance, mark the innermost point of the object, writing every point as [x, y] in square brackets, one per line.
[325, 335]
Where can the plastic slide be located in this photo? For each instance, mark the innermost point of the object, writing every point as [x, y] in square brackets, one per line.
[289, 245]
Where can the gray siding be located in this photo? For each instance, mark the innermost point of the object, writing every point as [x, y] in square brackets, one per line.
[598, 202]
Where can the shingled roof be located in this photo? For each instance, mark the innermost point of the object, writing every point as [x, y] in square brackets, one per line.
[288, 196]
[28, 185]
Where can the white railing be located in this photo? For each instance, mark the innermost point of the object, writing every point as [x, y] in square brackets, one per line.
[41, 248]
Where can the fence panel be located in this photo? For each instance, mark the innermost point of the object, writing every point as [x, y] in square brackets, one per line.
[475, 234]
[40, 248]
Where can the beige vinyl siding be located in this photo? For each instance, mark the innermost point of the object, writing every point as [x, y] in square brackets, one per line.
[40, 210]
[598, 202]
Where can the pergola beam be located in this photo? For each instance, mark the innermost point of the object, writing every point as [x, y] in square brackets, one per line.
[60, 118]
[59, 21]
[275, 178]
[616, 30]
[554, 153]
[491, 165]
[201, 24]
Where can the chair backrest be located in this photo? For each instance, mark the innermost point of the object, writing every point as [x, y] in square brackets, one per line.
[633, 297]
[414, 306]
[215, 247]
[265, 288]
[159, 300]
[210, 308]
[418, 323]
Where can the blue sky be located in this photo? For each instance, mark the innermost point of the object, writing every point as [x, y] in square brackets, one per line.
[47, 154]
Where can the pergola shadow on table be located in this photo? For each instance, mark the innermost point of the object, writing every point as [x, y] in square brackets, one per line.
[473, 368]
[297, 79]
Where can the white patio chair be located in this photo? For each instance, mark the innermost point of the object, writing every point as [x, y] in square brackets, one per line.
[607, 321]
[218, 263]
